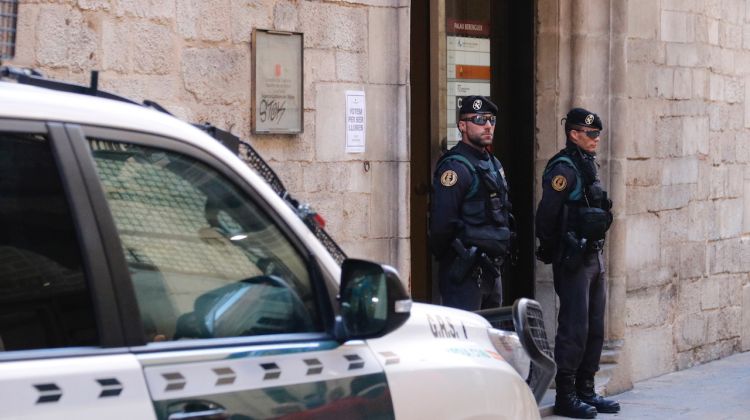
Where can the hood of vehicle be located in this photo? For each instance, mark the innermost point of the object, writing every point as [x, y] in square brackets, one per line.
[444, 357]
[441, 324]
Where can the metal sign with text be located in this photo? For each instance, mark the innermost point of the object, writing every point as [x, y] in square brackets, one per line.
[277, 100]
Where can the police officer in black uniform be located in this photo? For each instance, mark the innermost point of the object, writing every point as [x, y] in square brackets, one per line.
[470, 216]
[571, 220]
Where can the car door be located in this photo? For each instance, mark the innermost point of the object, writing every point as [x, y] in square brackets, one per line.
[233, 316]
[62, 349]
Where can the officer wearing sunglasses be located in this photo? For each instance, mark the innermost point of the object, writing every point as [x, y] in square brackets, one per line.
[470, 220]
[571, 221]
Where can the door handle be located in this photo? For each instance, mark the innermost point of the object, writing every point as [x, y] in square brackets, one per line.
[196, 410]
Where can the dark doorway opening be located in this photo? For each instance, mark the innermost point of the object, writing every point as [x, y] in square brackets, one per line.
[512, 88]
[512, 43]
[421, 135]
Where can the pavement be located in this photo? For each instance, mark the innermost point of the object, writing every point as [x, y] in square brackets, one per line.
[716, 390]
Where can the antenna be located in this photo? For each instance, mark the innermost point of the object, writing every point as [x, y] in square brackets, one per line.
[94, 85]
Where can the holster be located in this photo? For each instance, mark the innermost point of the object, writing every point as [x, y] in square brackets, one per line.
[573, 250]
[491, 267]
[463, 263]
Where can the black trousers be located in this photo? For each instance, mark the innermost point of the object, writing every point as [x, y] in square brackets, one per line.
[580, 322]
[469, 295]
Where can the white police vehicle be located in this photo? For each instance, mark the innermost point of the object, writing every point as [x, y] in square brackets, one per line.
[146, 272]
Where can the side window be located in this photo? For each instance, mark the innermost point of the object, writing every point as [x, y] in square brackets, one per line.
[205, 261]
[44, 297]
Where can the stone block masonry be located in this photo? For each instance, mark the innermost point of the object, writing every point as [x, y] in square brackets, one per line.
[194, 58]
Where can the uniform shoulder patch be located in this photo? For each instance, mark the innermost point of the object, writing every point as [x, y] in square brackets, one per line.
[559, 183]
[449, 178]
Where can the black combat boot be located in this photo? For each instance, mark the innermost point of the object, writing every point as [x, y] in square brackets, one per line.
[586, 393]
[567, 403]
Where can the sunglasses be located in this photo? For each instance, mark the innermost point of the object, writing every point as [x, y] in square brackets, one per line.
[481, 119]
[591, 134]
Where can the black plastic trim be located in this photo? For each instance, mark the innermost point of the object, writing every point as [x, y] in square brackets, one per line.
[228, 342]
[108, 326]
[500, 318]
[59, 353]
[23, 126]
[34, 78]
[543, 367]
[517, 318]
[121, 289]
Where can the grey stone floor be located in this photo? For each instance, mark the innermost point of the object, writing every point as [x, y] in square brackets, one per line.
[716, 390]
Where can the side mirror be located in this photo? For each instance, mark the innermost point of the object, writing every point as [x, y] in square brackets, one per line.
[373, 301]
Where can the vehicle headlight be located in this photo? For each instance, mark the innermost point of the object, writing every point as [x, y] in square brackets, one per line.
[509, 346]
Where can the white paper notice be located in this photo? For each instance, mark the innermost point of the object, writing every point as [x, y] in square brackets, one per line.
[356, 118]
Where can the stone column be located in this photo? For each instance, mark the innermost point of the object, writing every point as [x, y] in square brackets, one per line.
[552, 61]
[617, 278]
[598, 83]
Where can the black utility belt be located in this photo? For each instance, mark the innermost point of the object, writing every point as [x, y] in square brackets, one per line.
[492, 240]
[575, 249]
[573, 238]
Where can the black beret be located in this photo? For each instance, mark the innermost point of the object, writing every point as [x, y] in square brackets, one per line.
[583, 118]
[476, 104]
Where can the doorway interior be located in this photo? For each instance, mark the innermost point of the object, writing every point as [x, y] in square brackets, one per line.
[472, 47]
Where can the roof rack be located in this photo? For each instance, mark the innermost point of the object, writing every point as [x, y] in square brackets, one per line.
[34, 78]
[253, 159]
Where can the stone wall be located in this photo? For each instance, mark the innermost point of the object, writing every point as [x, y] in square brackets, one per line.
[688, 184]
[675, 98]
[194, 58]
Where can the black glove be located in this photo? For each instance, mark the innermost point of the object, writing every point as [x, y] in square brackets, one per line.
[606, 202]
[465, 261]
[607, 206]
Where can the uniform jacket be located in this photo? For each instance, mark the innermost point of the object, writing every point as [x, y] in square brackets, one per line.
[560, 187]
[461, 200]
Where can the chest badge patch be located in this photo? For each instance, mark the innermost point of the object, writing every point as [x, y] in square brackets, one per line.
[449, 178]
[559, 183]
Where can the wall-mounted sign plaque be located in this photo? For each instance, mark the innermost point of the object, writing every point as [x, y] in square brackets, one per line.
[356, 121]
[277, 82]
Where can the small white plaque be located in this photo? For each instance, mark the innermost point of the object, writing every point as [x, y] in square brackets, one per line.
[356, 121]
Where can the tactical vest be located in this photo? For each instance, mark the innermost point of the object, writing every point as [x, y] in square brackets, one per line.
[587, 212]
[485, 211]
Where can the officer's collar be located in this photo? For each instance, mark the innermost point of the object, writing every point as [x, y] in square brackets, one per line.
[573, 149]
[479, 154]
